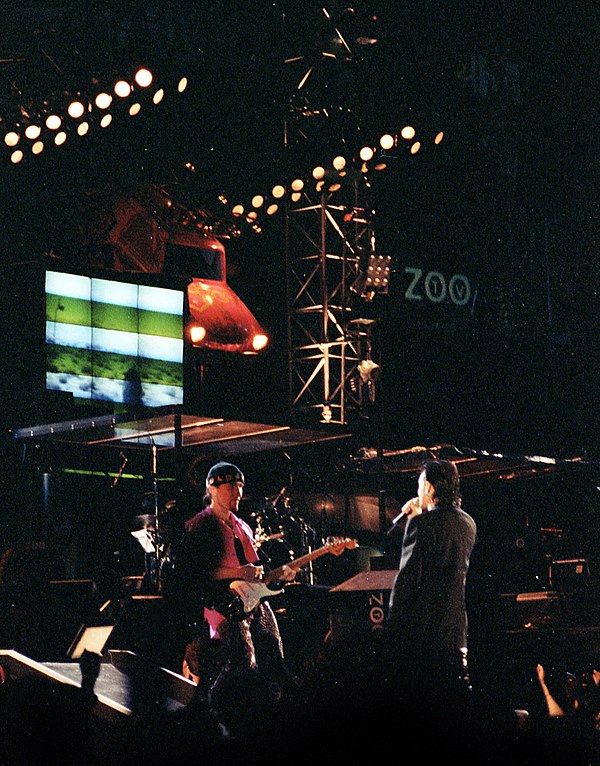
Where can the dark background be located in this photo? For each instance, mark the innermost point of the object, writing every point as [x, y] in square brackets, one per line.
[507, 198]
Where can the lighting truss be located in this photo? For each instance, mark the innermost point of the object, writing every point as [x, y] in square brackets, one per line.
[323, 245]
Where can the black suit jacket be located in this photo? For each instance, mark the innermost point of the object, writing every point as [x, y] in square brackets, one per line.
[427, 610]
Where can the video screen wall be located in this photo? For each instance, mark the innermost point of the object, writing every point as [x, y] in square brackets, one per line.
[114, 341]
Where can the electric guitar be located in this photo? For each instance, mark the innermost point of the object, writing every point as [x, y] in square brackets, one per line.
[248, 595]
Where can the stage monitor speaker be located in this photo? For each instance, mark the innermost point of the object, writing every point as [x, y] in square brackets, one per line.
[115, 687]
[358, 606]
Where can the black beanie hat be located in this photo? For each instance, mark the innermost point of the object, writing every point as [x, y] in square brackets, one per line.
[223, 473]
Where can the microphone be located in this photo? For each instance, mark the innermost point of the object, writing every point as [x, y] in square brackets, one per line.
[396, 521]
[404, 514]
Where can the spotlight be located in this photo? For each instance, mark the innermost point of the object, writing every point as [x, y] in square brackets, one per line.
[407, 132]
[297, 184]
[75, 109]
[415, 147]
[122, 88]
[387, 142]
[11, 138]
[143, 77]
[439, 137]
[33, 131]
[374, 276]
[257, 200]
[158, 96]
[278, 191]
[318, 173]
[182, 84]
[53, 122]
[369, 371]
[339, 163]
[135, 109]
[366, 153]
[103, 100]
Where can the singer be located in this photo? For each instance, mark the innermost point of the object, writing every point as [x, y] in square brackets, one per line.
[426, 628]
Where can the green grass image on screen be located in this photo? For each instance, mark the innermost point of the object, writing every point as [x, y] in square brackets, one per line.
[103, 364]
[108, 316]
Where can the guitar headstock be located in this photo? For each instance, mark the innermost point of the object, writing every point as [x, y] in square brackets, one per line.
[338, 545]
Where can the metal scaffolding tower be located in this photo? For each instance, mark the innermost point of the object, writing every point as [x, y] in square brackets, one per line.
[328, 242]
[329, 231]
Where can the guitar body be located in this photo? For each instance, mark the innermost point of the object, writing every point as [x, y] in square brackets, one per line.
[248, 595]
[252, 593]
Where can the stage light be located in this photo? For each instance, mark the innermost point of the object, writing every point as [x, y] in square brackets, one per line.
[387, 141]
[38, 147]
[33, 131]
[369, 371]
[135, 109]
[278, 191]
[407, 132]
[182, 84]
[259, 342]
[380, 166]
[83, 128]
[103, 100]
[374, 276]
[335, 187]
[143, 77]
[439, 137]
[319, 186]
[16, 156]
[415, 147]
[257, 200]
[106, 120]
[273, 208]
[318, 173]
[297, 184]
[237, 210]
[296, 196]
[158, 96]
[252, 216]
[339, 163]
[366, 153]
[53, 122]
[122, 88]
[11, 138]
[60, 138]
[75, 109]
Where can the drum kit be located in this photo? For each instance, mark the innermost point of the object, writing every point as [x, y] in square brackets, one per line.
[281, 535]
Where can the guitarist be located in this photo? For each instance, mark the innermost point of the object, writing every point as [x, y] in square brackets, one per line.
[217, 548]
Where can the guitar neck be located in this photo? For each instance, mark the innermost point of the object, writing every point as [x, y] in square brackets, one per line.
[298, 563]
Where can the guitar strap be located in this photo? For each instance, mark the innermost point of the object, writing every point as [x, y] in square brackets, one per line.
[239, 549]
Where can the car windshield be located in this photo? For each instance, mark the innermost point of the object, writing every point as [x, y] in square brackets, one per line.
[200, 262]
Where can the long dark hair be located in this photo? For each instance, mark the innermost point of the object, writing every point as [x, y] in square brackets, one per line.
[443, 474]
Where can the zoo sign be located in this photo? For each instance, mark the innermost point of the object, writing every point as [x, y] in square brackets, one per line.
[436, 287]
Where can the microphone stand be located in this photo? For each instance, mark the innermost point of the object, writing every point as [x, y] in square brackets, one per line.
[156, 529]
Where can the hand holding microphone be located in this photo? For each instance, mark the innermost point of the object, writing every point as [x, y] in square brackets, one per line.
[410, 508]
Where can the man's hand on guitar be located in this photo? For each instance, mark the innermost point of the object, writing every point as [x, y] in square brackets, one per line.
[251, 572]
[287, 573]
